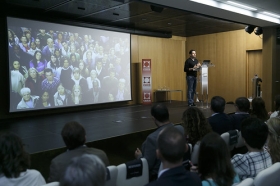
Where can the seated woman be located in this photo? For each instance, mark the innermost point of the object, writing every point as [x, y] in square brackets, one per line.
[215, 167]
[77, 95]
[277, 107]
[273, 139]
[44, 101]
[38, 63]
[17, 78]
[195, 124]
[27, 101]
[259, 110]
[62, 97]
[83, 69]
[54, 65]
[34, 82]
[15, 163]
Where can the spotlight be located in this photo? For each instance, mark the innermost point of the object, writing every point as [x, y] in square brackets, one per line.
[249, 29]
[258, 31]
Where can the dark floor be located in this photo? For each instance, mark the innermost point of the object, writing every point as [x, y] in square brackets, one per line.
[117, 131]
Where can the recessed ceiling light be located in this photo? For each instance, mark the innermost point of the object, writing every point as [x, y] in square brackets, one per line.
[271, 14]
[241, 6]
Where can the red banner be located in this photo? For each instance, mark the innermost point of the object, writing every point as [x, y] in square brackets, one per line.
[146, 81]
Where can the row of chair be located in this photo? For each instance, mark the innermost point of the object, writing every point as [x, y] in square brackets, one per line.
[269, 177]
[135, 172]
[232, 138]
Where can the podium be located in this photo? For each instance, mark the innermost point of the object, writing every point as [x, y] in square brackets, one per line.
[203, 80]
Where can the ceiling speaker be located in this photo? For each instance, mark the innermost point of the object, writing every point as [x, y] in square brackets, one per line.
[156, 9]
[249, 29]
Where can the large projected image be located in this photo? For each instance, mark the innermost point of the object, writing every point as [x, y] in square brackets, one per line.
[55, 65]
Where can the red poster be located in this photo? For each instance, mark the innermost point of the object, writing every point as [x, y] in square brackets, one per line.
[146, 81]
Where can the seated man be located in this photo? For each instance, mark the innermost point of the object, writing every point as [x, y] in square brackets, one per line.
[74, 137]
[219, 121]
[160, 115]
[171, 148]
[242, 106]
[254, 133]
[85, 170]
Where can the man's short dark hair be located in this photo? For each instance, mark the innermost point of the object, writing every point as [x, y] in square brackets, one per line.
[254, 131]
[86, 170]
[160, 112]
[48, 70]
[171, 144]
[73, 135]
[218, 104]
[242, 104]
[191, 51]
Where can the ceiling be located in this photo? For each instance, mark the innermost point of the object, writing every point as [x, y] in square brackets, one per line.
[128, 15]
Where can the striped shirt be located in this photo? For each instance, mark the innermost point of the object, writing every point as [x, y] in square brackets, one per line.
[250, 164]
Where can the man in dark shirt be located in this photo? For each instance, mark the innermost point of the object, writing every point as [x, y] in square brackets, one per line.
[171, 146]
[191, 65]
[219, 121]
[242, 106]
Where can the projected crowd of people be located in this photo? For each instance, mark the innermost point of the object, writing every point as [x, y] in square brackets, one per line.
[52, 68]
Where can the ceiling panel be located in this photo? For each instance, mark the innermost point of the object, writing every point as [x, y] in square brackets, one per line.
[126, 14]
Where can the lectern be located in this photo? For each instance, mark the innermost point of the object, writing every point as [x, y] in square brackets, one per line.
[204, 82]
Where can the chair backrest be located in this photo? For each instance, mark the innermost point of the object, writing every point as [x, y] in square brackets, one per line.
[231, 138]
[246, 182]
[52, 184]
[240, 142]
[112, 173]
[190, 147]
[269, 176]
[134, 173]
[195, 151]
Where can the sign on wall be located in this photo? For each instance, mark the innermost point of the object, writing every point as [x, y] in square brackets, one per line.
[146, 81]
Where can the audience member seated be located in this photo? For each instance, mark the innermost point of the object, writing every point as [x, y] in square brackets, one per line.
[160, 116]
[27, 101]
[219, 121]
[277, 107]
[273, 140]
[242, 106]
[254, 133]
[15, 163]
[74, 137]
[195, 124]
[171, 146]
[215, 167]
[87, 170]
[259, 110]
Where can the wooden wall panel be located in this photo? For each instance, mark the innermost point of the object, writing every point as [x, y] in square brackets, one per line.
[227, 51]
[253, 42]
[167, 57]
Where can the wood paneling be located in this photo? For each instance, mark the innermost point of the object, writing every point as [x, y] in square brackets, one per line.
[253, 42]
[167, 56]
[227, 51]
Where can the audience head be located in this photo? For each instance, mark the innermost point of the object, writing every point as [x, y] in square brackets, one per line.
[277, 102]
[214, 160]
[254, 131]
[86, 170]
[242, 104]
[218, 104]
[160, 113]
[171, 145]
[273, 140]
[258, 109]
[13, 158]
[195, 124]
[73, 134]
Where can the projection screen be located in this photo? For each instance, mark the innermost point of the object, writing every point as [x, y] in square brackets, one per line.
[56, 65]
